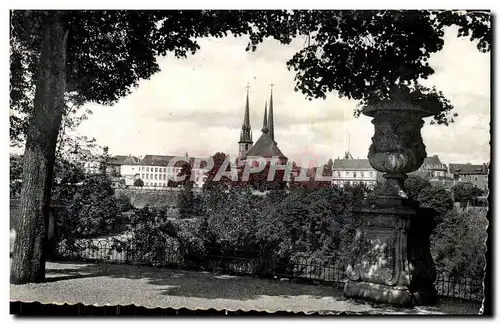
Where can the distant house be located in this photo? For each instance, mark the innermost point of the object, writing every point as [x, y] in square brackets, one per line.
[157, 170]
[115, 165]
[432, 168]
[353, 171]
[476, 174]
[90, 161]
[129, 170]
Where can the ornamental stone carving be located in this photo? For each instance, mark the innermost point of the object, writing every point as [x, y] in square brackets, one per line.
[391, 260]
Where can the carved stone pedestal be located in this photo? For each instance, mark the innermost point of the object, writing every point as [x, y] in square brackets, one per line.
[391, 261]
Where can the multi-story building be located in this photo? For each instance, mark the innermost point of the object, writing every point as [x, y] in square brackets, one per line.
[433, 168]
[129, 170]
[157, 170]
[353, 171]
[476, 174]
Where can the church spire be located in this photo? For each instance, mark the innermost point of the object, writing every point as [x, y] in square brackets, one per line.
[246, 130]
[265, 129]
[270, 123]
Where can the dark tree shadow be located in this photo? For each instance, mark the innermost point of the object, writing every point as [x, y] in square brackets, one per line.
[200, 284]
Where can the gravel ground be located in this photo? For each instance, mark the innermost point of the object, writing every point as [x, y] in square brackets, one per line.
[106, 284]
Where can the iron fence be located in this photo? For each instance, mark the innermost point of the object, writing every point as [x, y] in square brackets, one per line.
[297, 268]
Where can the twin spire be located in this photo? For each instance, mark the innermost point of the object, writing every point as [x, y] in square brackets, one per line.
[268, 122]
[246, 130]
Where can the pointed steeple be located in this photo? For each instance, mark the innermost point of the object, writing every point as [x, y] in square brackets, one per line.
[265, 129]
[270, 123]
[246, 130]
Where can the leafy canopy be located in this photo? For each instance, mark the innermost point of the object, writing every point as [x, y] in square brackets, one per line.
[359, 54]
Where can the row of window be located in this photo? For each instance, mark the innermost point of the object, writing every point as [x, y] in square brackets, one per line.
[154, 184]
[159, 169]
[367, 182]
[434, 166]
[356, 173]
[162, 177]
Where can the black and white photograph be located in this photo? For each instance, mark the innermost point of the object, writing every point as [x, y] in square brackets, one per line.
[327, 162]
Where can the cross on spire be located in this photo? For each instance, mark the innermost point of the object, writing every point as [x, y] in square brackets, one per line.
[248, 86]
[272, 85]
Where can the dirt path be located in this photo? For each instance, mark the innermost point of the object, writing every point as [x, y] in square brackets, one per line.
[103, 284]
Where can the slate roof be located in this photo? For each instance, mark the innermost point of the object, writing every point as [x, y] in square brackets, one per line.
[159, 160]
[468, 168]
[163, 160]
[265, 147]
[117, 159]
[352, 164]
[434, 160]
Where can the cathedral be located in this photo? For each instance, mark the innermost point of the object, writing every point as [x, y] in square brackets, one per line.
[265, 146]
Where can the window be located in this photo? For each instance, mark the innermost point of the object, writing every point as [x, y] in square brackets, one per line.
[362, 174]
[354, 174]
[371, 174]
[147, 176]
[147, 169]
[347, 173]
[156, 169]
[339, 174]
[164, 177]
[156, 177]
[155, 184]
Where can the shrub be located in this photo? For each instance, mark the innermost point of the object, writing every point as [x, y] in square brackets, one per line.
[138, 183]
[437, 198]
[465, 193]
[414, 184]
[458, 243]
[90, 209]
[123, 203]
[152, 237]
[186, 203]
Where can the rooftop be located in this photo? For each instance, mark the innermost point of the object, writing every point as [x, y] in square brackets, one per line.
[352, 164]
[468, 168]
[265, 147]
[433, 160]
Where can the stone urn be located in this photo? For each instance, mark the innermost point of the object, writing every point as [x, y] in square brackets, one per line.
[397, 146]
[390, 260]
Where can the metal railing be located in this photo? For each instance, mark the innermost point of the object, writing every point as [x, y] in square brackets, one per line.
[298, 268]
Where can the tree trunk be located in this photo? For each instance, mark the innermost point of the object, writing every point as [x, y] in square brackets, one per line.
[28, 262]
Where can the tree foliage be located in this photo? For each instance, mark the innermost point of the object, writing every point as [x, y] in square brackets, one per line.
[90, 209]
[458, 244]
[211, 181]
[99, 56]
[414, 184]
[437, 198]
[138, 183]
[362, 55]
[465, 193]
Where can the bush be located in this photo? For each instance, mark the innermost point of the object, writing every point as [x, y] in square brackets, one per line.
[414, 184]
[90, 209]
[437, 198]
[123, 203]
[186, 203]
[458, 243]
[138, 183]
[465, 193]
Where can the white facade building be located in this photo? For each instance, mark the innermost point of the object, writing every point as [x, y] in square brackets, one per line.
[157, 170]
[353, 171]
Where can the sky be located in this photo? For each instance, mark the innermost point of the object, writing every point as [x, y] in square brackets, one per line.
[196, 105]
